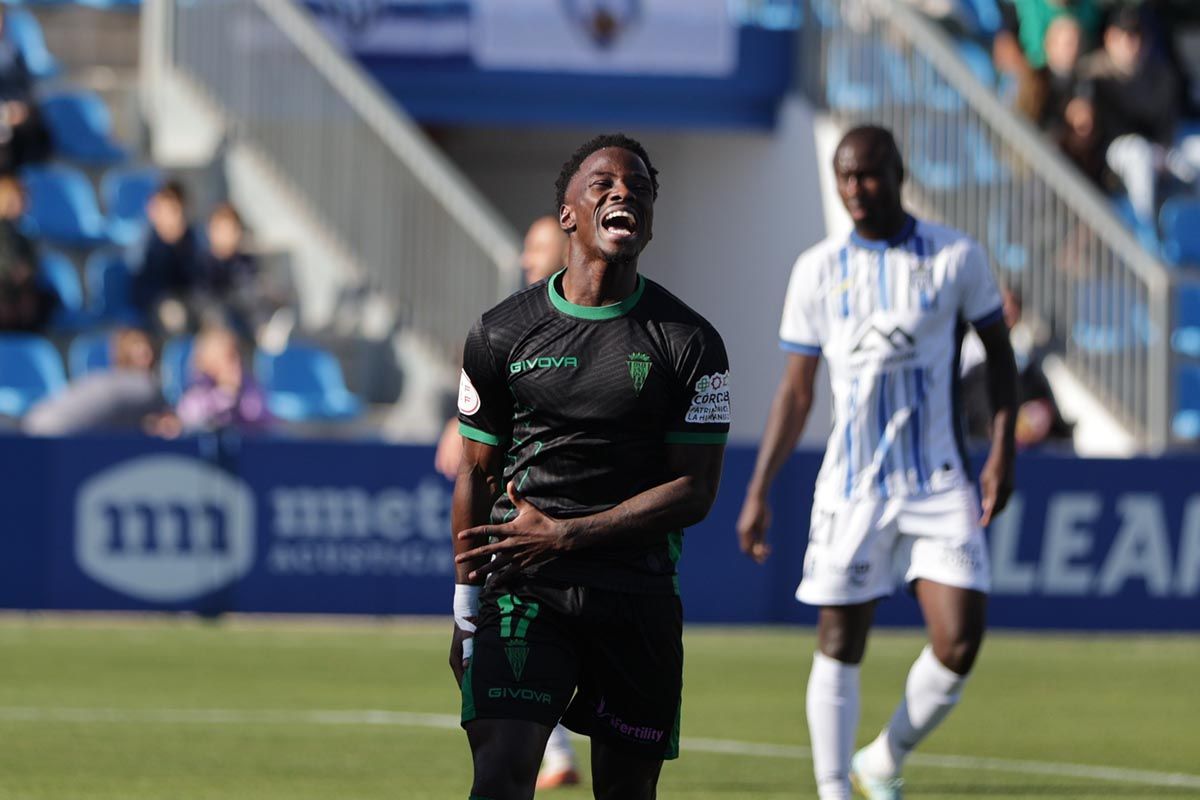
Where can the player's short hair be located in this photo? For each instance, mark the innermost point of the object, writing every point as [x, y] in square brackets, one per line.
[577, 158]
[878, 136]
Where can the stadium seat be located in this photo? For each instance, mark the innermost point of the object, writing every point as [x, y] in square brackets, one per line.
[945, 157]
[940, 95]
[1107, 320]
[864, 75]
[22, 29]
[1186, 424]
[1011, 255]
[30, 369]
[175, 367]
[81, 128]
[305, 383]
[1185, 339]
[57, 272]
[1179, 221]
[63, 206]
[89, 352]
[1144, 230]
[110, 287]
[125, 192]
[983, 17]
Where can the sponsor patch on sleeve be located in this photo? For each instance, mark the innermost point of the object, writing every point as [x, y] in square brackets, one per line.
[468, 398]
[710, 404]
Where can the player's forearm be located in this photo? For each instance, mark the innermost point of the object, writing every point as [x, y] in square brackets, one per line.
[475, 492]
[1002, 395]
[674, 505]
[785, 423]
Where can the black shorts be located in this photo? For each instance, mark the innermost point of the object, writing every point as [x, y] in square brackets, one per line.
[607, 664]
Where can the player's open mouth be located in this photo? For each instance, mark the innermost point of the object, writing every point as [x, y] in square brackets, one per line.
[620, 223]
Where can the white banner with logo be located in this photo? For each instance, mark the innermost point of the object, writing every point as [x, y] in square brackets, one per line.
[621, 37]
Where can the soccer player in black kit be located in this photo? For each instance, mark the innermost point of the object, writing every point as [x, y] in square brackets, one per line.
[594, 407]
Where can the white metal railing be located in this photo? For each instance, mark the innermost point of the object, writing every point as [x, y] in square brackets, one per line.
[416, 229]
[977, 165]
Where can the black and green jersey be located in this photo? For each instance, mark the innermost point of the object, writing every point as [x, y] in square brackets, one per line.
[585, 399]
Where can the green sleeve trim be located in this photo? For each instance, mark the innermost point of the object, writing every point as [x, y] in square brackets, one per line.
[477, 435]
[697, 438]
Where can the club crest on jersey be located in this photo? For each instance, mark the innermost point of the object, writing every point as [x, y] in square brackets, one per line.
[603, 20]
[639, 370]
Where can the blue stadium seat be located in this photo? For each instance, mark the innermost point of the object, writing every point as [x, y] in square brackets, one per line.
[1143, 230]
[1185, 339]
[1107, 321]
[303, 383]
[30, 369]
[57, 272]
[1179, 221]
[81, 128]
[939, 95]
[175, 367]
[863, 75]
[110, 287]
[22, 29]
[1186, 424]
[983, 16]
[125, 192]
[1009, 254]
[63, 206]
[89, 352]
[946, 156]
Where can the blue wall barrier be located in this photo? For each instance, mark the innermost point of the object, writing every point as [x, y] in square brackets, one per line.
[213, 525]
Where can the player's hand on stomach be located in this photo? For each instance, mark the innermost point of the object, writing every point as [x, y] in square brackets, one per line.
[529, 538]
[752, 525]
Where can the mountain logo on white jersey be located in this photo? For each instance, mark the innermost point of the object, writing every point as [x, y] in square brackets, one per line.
[875, 339]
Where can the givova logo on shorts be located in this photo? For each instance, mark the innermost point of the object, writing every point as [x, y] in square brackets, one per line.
[164, 528]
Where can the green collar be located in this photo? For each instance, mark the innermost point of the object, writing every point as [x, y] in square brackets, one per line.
[593, 312]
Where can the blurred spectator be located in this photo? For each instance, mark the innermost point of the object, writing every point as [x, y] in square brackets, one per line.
[1130, 100]
[222, 393]
[544, 253]
[124, 398]
[228, 280]
[165, 269]
[1038, 417]
[24, 138]
[1022, 44]
[25, 304]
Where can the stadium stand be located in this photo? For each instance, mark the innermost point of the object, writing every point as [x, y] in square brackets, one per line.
[63, 207]
[30, 369]
[22, 29]
[81, 128]
[89, 352]
[1186, 423]
[175, 366]
[1185, 339]
[305, 383]
[56, 271]
[110, 286]
[1179, 221]
[124, 191]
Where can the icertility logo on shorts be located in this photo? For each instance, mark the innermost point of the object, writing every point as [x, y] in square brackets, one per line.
[542, 362]
[641, 733]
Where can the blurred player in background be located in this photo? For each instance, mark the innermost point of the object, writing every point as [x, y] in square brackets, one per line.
[544, 253]
[595, 408]
[887, 308]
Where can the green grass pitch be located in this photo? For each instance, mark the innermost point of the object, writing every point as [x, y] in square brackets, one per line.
[155, 708]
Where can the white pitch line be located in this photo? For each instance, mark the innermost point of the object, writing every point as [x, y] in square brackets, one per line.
[222, 716]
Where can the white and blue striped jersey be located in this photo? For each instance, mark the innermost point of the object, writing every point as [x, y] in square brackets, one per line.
[888, 317]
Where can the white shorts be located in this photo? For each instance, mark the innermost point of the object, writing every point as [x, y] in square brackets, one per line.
[858, 550]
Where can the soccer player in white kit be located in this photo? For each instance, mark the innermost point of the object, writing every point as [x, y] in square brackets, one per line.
[887, 308]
